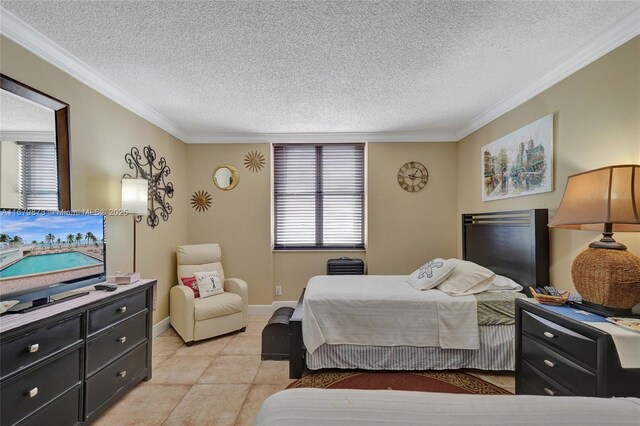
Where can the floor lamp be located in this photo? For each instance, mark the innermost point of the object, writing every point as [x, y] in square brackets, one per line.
[134, 201]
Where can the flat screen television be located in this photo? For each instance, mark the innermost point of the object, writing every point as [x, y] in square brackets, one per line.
[44, 255]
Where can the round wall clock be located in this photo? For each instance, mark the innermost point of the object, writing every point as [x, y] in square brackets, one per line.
[413, 176]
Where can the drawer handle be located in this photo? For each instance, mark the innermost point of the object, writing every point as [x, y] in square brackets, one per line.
[549, 392]
[549, 363]
[122, 339]
[33, 348]
[549, 335]
[122, 373]
[33, 392]
[122, 310]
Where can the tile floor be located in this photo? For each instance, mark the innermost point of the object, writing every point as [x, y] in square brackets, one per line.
[219, 381]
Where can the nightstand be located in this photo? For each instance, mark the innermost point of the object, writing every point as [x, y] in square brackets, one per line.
[559, 353]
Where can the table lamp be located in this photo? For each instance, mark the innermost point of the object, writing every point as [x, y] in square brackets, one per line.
[134, 200]
[606, 275]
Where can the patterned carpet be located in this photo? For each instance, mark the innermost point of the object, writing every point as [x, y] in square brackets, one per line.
[427, 381]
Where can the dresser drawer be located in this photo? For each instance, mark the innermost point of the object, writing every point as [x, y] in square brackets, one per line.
[571, 343]
[28, 392]
[567, 373]
[27, 349]
[114, 377]
[533, 382]
[115, 342]
[115, 311]
[65, 410]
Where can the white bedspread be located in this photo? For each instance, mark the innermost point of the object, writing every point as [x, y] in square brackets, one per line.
[347, 407]
[384, 310]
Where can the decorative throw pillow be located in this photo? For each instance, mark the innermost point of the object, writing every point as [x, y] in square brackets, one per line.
[191, 283]
[209, 283]
[466, 278]
[431, 274]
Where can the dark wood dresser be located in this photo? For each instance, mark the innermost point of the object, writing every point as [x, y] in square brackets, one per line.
[66, 363]
[560, 355]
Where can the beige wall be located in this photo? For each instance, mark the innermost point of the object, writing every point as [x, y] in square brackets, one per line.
[596, 124]
[238, 219]
[101, 133]
[408, 229]
[405, 229]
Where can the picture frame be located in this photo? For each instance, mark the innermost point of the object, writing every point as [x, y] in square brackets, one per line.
[520, 163]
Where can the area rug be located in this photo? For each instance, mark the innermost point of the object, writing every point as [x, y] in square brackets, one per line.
[426, 381]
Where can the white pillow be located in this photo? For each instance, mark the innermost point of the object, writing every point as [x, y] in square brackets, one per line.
[209, 283]
[501, 283]
[466, 278]
[431, 274]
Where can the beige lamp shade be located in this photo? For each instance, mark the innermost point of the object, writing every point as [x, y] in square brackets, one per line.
[597, 197]
[606, 200]
[134, 195]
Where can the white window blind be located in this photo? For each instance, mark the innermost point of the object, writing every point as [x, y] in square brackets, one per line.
[318, 196]
[38, 176]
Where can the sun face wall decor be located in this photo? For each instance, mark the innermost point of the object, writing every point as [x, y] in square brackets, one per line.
[254, 161]
[201, 201]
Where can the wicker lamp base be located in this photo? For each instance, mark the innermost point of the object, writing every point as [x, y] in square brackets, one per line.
[610, 278]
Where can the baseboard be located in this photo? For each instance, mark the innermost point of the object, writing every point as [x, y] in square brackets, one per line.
[270, 309]
[260, 310]
[161, 327]
[282, 304]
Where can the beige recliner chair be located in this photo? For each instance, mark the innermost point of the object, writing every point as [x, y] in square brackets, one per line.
[197, 318]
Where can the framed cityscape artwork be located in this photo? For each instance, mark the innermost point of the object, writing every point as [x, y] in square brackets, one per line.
[520, 163]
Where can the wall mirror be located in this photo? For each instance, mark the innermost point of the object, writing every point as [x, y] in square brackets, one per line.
[34, 149]
[226, 177]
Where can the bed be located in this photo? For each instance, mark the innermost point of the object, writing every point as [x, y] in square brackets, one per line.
[512, 244]
[385, 407]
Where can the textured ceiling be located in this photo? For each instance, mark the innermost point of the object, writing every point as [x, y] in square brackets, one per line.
[321, 66]
[21, 115]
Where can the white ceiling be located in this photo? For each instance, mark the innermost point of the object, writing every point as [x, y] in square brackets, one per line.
[22, 115]
[213, 71]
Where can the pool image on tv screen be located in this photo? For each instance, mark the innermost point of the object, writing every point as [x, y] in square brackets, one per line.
[38, 249]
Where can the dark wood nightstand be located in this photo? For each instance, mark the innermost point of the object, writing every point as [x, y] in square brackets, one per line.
[560, 355]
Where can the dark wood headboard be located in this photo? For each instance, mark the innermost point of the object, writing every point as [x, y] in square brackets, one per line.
[514, 244]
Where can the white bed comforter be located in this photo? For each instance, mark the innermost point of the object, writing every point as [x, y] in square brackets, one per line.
[348, 407]
[384, 310]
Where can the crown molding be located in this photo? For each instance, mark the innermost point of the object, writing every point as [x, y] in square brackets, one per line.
[625, 30]
[28, 37]
[321, 137]
[27, 136]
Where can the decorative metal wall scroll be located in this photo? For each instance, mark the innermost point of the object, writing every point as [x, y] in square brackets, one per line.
[254, 161]
[145, 167]
[201, 201]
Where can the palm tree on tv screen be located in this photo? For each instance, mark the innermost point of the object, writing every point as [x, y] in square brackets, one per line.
[59, 241]
[70, 239]
[4, 238]
[90, 237]
[15, 240]
[78, 238]
[50, 238]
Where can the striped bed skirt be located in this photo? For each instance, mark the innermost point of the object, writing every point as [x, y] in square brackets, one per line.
[497, 352]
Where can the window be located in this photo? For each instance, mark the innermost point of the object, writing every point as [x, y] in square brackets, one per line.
[318, 196]
[38, 176]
